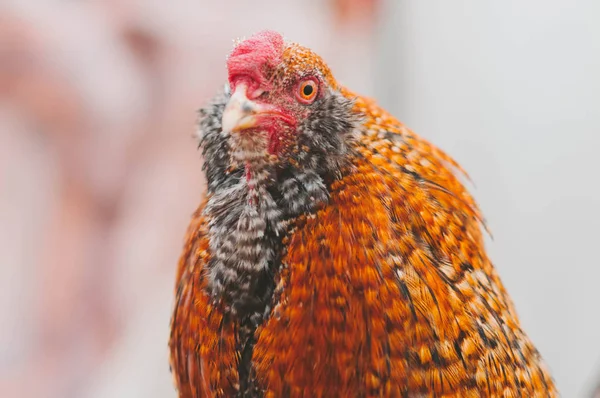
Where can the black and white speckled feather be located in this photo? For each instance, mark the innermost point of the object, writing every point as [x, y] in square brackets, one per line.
[253, 198]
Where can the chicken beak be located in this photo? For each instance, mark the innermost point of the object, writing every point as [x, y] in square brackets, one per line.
[240, 113]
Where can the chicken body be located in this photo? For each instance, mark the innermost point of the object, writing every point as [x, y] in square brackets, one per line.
[336, 254]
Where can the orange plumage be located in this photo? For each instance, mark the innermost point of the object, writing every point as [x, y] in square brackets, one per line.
[383, 288]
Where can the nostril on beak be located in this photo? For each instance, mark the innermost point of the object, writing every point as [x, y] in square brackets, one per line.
[247, 107]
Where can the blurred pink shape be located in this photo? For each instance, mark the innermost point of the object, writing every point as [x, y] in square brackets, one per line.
[101, 174]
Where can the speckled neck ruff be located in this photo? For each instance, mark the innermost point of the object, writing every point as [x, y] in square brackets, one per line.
[252, 201]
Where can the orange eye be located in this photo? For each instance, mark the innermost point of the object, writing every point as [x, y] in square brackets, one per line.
[307, 91]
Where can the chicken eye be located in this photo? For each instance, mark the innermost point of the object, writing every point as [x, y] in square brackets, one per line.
[307, 91]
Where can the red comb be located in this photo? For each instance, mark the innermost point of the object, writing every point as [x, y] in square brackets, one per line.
[250, 57]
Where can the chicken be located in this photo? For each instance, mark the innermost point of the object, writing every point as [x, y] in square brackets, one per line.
[336, 253]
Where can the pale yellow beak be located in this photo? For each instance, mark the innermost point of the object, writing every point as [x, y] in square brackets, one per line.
[240, 113]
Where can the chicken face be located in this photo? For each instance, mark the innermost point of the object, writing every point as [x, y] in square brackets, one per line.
[278, 92]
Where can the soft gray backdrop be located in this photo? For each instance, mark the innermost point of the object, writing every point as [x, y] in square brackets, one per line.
[512, 90]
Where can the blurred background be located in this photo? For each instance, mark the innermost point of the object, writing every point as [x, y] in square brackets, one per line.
[99, 173]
